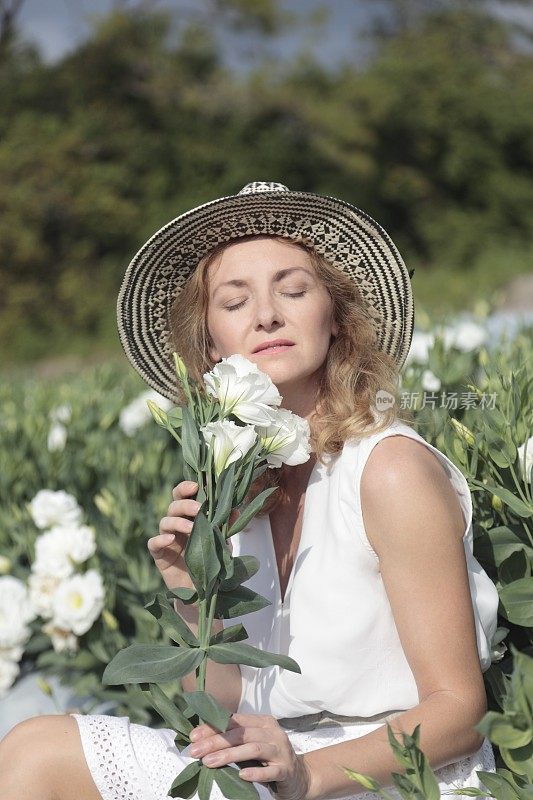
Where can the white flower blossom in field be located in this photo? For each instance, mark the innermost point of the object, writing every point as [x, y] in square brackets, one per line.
[57, 437]
[9, 671]
[49, 508]
[78, 602]
[430, 382]
[42, 589]
[286, 439]
[57, 550]
[421, 344]
[465, 336]
[16, 612]
[137, 413]
[229, 442]
[61, 413]
[63, 641]
[525, 451]
[243, 390]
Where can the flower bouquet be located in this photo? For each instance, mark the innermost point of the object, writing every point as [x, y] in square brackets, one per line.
[229, 432]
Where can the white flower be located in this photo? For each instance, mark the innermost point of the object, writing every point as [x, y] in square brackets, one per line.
[243, 390]
[61, 413]
[465, 336]
[42, 588]
[421, 344]
[78, 601]
[58, 548]
[9, 671]
[16, 612]
[228, 441]
[430, 382]
[286, 439]
[526, 449]
[11, 653]
[50, 508]
[137, 413]
[62, 640]
[57, 437]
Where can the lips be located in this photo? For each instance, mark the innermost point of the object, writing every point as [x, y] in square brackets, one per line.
[273, 343]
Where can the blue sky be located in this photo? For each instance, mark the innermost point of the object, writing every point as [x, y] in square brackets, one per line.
[59, 25]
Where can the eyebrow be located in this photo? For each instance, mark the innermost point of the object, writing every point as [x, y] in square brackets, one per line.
[278, 276]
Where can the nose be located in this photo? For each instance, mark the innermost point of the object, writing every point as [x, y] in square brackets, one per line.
[267, 312]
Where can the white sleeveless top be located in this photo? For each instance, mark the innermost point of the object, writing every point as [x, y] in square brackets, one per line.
[352, 663]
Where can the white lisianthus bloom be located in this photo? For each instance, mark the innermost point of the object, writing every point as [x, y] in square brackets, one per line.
[9, 671]
[421, 344]
[228, 441]
[465, 336]
[52, 554]
[243, 390]
[430, 382]
[63, 641]
[11, 653]
[42, 588]
[49, 508]
[58, 548]
[137, 413]
[78, 602]
[61, 413]
[286, 439]
[57, 437]
[526, 449]
[16, 612]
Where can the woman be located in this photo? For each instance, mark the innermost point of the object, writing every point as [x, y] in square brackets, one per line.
[373, 586]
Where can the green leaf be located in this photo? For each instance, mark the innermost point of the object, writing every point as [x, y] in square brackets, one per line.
[187, 781]
[514, 567]
[235, 633]
[517, 601]
[500, 730]
[250, 511]
[151, 663]
[239, 601]
[201, 554]
[243, 569]
[170, 713]
[514, 503]
[225, 499]
[519, 759]
[232, 786]
[171, 622]
[190, 442]
[237, 653]
[498, 784]
[205, 783]
[209, 709]
[497, 544]
[184, 594]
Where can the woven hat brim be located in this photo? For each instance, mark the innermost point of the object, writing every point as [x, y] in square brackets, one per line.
[347, 236]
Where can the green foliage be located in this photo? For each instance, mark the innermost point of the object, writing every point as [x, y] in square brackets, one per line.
[100, 150]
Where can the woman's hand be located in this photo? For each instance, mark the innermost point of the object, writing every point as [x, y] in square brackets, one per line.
[167, 548]
[259, 737]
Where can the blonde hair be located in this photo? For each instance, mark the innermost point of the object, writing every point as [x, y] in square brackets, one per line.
[354, 371]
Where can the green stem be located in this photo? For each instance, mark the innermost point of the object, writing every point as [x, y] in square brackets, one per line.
[518, 486]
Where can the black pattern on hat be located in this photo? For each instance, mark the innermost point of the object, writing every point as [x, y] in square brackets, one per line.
[348, 237]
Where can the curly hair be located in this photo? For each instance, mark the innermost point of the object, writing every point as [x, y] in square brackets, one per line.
[355, 369]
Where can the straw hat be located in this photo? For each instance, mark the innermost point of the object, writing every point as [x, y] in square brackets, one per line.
[348, 237]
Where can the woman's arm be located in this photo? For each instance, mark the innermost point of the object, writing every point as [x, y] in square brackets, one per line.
[414, 522]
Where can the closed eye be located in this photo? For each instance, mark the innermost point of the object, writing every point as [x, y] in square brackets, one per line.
[285, 294]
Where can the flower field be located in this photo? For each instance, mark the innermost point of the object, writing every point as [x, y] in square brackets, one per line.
[86, 474]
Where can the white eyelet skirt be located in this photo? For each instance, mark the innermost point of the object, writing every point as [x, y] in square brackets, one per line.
[134, 762]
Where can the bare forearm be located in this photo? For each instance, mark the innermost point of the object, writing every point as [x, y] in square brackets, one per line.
[223, 681]
[447, 734]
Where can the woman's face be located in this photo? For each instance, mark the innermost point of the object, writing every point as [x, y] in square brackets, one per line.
[261, 290]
